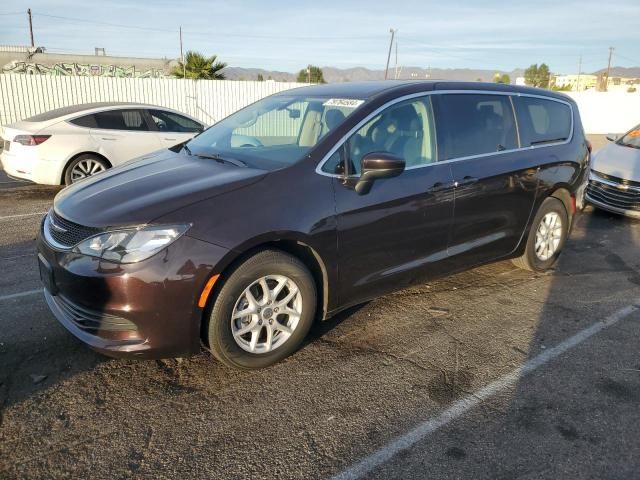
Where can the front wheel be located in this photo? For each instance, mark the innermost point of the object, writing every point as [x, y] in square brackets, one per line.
[263, 311]
[546, 238]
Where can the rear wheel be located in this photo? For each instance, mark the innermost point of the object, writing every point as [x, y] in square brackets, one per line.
[546, 238]
[263, 311]
[84, 166]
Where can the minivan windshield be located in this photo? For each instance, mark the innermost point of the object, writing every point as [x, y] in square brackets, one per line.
[274, 132]
[631, 138]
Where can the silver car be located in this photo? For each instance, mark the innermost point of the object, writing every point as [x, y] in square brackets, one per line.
[614, 181]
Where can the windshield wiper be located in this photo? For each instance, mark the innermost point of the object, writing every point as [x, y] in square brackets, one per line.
[624, 144]
[219, 158]
[187, 149]
[540, 142]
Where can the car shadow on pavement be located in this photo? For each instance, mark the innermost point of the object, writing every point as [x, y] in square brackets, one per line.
[575, 416]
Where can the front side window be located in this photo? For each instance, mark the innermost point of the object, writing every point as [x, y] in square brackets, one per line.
[274, 132]
[172, 122]
[474, 124]
[542, 121]
[121, 120]
[405, 130]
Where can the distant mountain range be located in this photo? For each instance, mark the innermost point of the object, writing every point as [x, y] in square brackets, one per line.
[356, 74]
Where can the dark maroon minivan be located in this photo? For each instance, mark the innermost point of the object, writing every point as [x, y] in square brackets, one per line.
[305, 203]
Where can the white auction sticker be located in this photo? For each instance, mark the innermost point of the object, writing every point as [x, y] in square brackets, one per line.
[343, 102]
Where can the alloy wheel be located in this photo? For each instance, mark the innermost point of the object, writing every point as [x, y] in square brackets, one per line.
[86, 168]
[266, 314]
[548, 236]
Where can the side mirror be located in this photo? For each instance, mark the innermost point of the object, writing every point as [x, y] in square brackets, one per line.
[612, 137]
[293, 112]
[378, 165]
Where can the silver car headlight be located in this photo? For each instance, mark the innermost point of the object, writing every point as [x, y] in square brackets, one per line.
[131, 245]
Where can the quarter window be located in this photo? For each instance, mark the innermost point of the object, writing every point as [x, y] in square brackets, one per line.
[542, 121]
[405, 130]
[121, 120]
[472, 124]
[172, 122]
[88, 121]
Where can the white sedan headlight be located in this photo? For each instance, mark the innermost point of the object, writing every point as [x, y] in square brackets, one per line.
[131, 245]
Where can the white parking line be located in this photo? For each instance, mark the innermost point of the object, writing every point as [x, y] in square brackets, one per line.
[22, 215]
[20, 294]
[459, 408]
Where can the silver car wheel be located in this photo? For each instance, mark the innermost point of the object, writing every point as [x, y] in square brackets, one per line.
[86, 168]
[266, 314]
[548, 236]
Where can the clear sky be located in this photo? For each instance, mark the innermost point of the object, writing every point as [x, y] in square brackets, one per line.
[281, 35]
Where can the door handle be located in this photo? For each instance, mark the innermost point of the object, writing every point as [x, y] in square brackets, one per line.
[467, 180]
[170, 139]
[439, 186]
[108, 138]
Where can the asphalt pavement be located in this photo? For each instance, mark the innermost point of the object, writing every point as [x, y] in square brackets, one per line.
[494, 373]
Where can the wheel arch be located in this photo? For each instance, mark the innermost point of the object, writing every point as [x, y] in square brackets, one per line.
[76, 155]
[562, 193]
[295, 247]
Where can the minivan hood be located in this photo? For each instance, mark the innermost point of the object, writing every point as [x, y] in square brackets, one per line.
[618, 161]
[142, 190]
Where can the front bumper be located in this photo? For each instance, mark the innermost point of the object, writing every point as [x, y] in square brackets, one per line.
[612, 209]
[614, 194]
[143, 310]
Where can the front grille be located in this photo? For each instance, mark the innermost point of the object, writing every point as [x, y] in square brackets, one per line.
[613, 192]
[619, 181]
[67, 233]
[92, 321]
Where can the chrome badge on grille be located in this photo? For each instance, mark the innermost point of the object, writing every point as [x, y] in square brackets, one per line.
[55, 226]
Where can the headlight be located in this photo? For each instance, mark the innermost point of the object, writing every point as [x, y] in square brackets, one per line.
[131, 245]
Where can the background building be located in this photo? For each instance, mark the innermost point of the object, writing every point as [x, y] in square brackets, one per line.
[37, 61]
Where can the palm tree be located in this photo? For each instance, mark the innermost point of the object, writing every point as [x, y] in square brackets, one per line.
[199, 67]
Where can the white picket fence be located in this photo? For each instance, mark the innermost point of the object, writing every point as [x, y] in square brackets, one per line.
[22, 96]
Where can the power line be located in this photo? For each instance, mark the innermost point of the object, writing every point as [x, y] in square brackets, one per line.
[200, 32]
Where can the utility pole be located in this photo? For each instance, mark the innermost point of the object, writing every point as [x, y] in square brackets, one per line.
[386, 70]
[30, 27]
[184, 66]
[579, 73]
[396, 67]
[606, 81]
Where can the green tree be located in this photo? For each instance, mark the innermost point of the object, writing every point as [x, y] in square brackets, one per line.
[260, 77]
[199, 67]
[537, 76]
[314, 72]
[501, 78]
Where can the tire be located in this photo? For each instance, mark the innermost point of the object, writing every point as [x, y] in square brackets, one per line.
[94, 163]
[232, 298]
[531, 260]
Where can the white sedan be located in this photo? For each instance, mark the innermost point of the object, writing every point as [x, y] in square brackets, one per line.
[68, 144]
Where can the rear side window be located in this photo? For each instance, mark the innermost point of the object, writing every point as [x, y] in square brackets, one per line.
[474, 124]
[121, 120]
[542, 121]
[172, 122]
[88, 121]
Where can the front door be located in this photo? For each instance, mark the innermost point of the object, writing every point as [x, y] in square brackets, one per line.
[172, 128]
[495, 183]
[396, 233]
